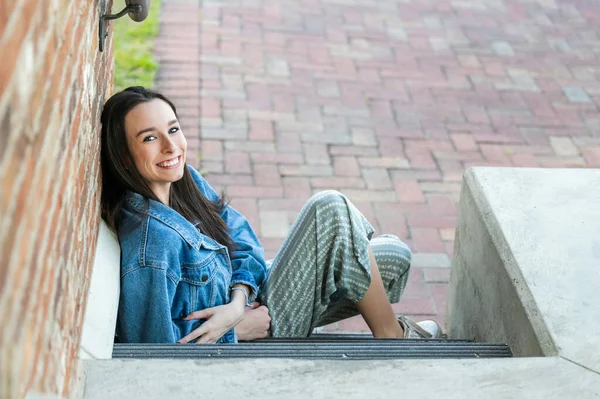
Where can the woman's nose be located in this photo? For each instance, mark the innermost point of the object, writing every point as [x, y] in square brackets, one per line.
[168, 144]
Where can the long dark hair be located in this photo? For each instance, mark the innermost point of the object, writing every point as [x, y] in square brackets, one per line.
[117, 177]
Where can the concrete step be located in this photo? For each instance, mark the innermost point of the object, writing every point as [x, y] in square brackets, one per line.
[505, 378]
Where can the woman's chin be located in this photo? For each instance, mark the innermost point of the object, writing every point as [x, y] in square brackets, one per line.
[176, 175]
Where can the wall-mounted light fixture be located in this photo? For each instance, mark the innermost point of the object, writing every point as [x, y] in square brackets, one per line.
[137, 10]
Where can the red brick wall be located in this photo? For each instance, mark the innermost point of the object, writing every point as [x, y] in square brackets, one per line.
[53, 82]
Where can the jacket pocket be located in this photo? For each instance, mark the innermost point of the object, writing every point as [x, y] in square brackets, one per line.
[200, 275]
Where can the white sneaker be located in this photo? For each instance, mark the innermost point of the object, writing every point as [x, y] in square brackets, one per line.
[428, 329]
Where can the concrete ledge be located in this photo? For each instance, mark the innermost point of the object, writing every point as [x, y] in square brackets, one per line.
[277, 378]
[526, 266]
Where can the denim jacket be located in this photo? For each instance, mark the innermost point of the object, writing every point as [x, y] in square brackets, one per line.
[169, 269]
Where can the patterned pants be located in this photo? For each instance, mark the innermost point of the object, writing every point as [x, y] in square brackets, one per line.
[323, 267]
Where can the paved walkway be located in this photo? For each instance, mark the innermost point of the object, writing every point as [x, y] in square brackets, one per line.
[387, 101]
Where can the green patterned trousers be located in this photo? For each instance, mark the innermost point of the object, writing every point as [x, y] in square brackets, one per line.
[323, 267]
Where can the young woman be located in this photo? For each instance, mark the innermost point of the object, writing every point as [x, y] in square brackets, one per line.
[192, 268]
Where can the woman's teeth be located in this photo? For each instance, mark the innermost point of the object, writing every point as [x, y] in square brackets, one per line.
[172, 162]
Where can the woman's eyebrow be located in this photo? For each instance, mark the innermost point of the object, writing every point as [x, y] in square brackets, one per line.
[153, 128]
[145, 130]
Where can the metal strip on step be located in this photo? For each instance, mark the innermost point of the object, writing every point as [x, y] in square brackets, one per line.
[311, 348]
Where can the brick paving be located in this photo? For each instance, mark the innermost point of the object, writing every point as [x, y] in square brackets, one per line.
[386, 101]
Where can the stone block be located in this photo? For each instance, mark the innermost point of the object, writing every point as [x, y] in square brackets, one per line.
[525, 267]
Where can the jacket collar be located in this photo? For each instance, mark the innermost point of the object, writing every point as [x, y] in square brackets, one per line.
[166, 215]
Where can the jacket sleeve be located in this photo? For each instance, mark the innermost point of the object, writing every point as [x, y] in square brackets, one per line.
[248, 259]
[144, 307]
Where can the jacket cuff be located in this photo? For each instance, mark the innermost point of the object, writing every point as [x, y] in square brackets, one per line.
[245, 277]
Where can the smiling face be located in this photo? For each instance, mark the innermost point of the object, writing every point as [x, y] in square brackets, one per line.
[157, 145]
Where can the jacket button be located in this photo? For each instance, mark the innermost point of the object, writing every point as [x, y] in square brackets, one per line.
[204, 278]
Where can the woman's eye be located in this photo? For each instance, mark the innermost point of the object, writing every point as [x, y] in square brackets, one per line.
[173, 130]
[149, 138]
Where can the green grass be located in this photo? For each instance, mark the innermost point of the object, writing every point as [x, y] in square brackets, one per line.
[133, 49]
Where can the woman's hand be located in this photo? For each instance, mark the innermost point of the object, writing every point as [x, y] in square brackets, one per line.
[255, 324]
[219, 320]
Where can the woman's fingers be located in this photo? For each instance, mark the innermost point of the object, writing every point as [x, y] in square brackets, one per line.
[205, 332]
[200, 314]
[202, 330]
[193, 335]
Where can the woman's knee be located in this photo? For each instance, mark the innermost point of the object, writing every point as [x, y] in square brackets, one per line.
[326, 197]
[393, 259]
[392, 253]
